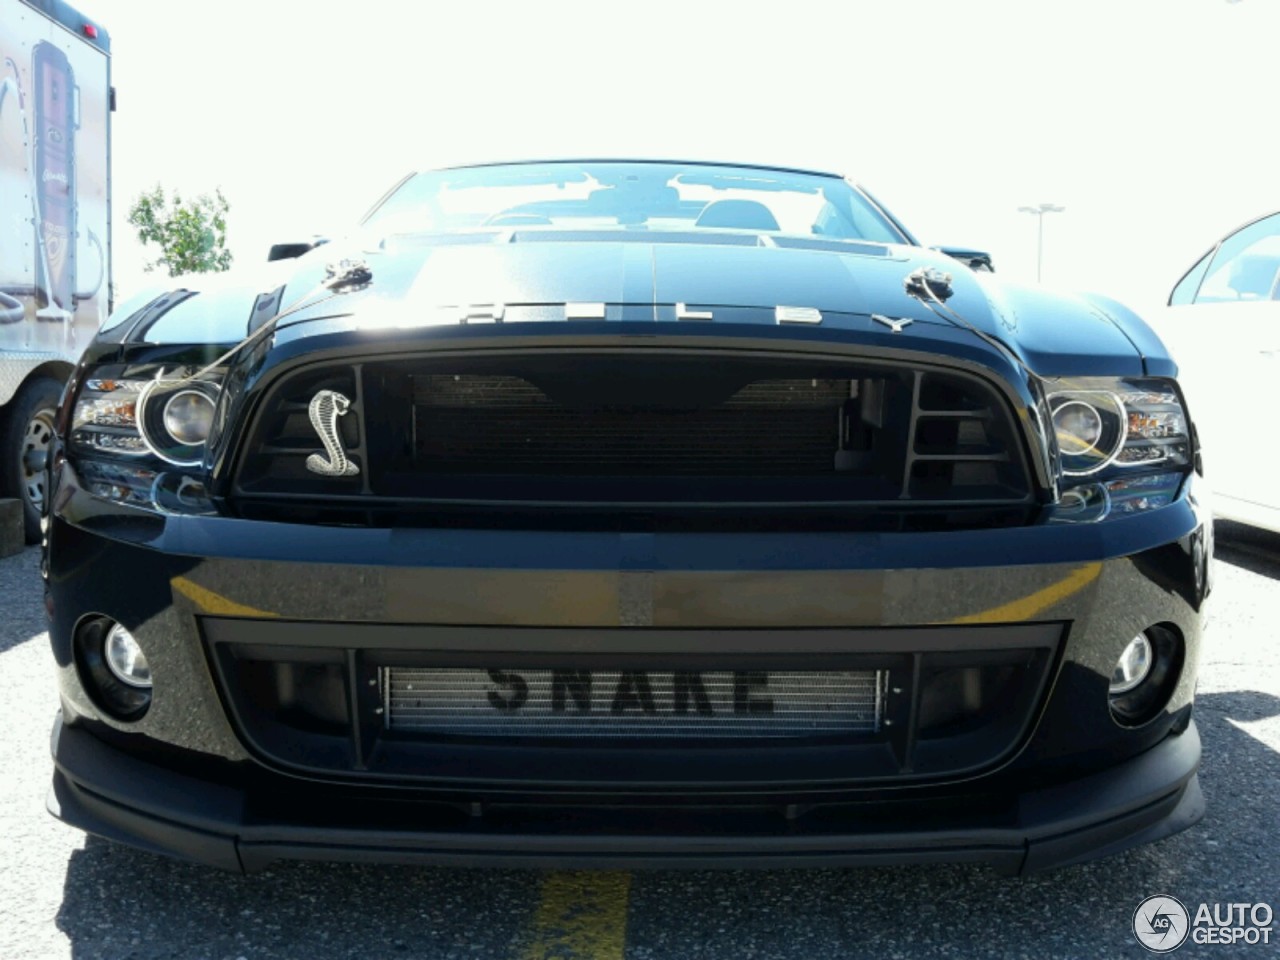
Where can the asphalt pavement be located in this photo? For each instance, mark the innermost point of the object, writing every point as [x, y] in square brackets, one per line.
[65, 895]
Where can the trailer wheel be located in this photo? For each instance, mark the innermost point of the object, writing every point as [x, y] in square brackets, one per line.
[25, 436]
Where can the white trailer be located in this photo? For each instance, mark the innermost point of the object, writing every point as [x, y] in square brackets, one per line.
[56, 101]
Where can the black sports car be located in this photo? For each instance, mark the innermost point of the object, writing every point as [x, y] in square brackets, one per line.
[635, 513]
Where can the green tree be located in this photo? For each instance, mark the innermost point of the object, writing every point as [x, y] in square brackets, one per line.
[191, 235]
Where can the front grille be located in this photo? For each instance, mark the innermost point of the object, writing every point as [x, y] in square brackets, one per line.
[637, 704]
[644, 432]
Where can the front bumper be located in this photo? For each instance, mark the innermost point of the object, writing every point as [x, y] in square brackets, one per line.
[187, 779]
[109, 793]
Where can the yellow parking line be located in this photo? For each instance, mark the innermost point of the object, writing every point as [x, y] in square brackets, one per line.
[215, 603]
[582, 915]
[1024, 608]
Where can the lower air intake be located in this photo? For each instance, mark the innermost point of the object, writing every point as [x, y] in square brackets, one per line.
[680, 705]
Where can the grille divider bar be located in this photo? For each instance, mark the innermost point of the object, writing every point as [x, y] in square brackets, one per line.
[362, 450]
[353, 708]
[909, 459]
[365, 702]
[913, 713]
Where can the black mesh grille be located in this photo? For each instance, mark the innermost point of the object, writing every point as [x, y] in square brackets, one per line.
[643, 431]
[506, 425]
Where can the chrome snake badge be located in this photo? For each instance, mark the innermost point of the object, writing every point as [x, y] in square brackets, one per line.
[325, 409]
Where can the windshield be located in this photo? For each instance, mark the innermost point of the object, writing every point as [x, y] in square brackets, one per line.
[633, 196]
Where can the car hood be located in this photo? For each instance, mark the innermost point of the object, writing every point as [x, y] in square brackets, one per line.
[433, 280]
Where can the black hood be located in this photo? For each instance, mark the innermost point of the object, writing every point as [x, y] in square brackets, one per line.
[429, 279]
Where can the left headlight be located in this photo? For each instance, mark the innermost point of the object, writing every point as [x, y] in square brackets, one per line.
[1106, 427]
[1124, 445]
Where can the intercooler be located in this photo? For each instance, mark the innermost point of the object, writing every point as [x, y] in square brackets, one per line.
[651, 704]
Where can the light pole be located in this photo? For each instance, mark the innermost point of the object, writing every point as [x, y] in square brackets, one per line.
[1038, 212]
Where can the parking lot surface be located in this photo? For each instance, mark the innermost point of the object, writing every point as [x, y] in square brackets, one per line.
[65, 895]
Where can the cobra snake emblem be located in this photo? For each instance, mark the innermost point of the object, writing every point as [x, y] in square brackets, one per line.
[325, 409]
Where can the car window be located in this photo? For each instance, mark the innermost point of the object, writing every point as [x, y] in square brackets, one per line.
[1246, 266]
[600, 195]
[1185, 290]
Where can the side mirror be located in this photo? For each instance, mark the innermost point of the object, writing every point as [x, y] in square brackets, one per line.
[973, 259]
[290, 251]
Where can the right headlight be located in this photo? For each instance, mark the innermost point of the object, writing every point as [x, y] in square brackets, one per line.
[174, 419]
[106, 418]
[169, 418]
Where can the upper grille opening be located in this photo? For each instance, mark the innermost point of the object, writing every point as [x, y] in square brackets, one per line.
[641, 432]
[504, 425]
[285, 438]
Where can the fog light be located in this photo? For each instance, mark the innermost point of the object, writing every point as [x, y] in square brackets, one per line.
[1133, 666]
[1145, 676]
[112, 667]
[125, 658]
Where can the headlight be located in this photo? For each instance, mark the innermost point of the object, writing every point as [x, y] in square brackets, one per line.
[1124, 446]
[174, 418]
[1090, 427]
[130, 427]
[106, 418]
[1114, 426]
[188, 415]
[122, 482]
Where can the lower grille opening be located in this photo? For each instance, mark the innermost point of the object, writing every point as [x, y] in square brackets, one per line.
[385, 702]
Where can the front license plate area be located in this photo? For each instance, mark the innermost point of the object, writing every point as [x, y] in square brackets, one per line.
[565, 704]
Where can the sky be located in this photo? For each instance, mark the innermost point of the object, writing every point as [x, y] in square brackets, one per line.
[1150, 121]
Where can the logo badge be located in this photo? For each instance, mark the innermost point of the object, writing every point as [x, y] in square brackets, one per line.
[785, 314]
[347, 274]
[1161, 923]
[897, 326]
[684, 313]
[325, 409]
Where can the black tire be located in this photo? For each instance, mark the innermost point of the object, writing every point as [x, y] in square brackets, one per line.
[25, 434]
